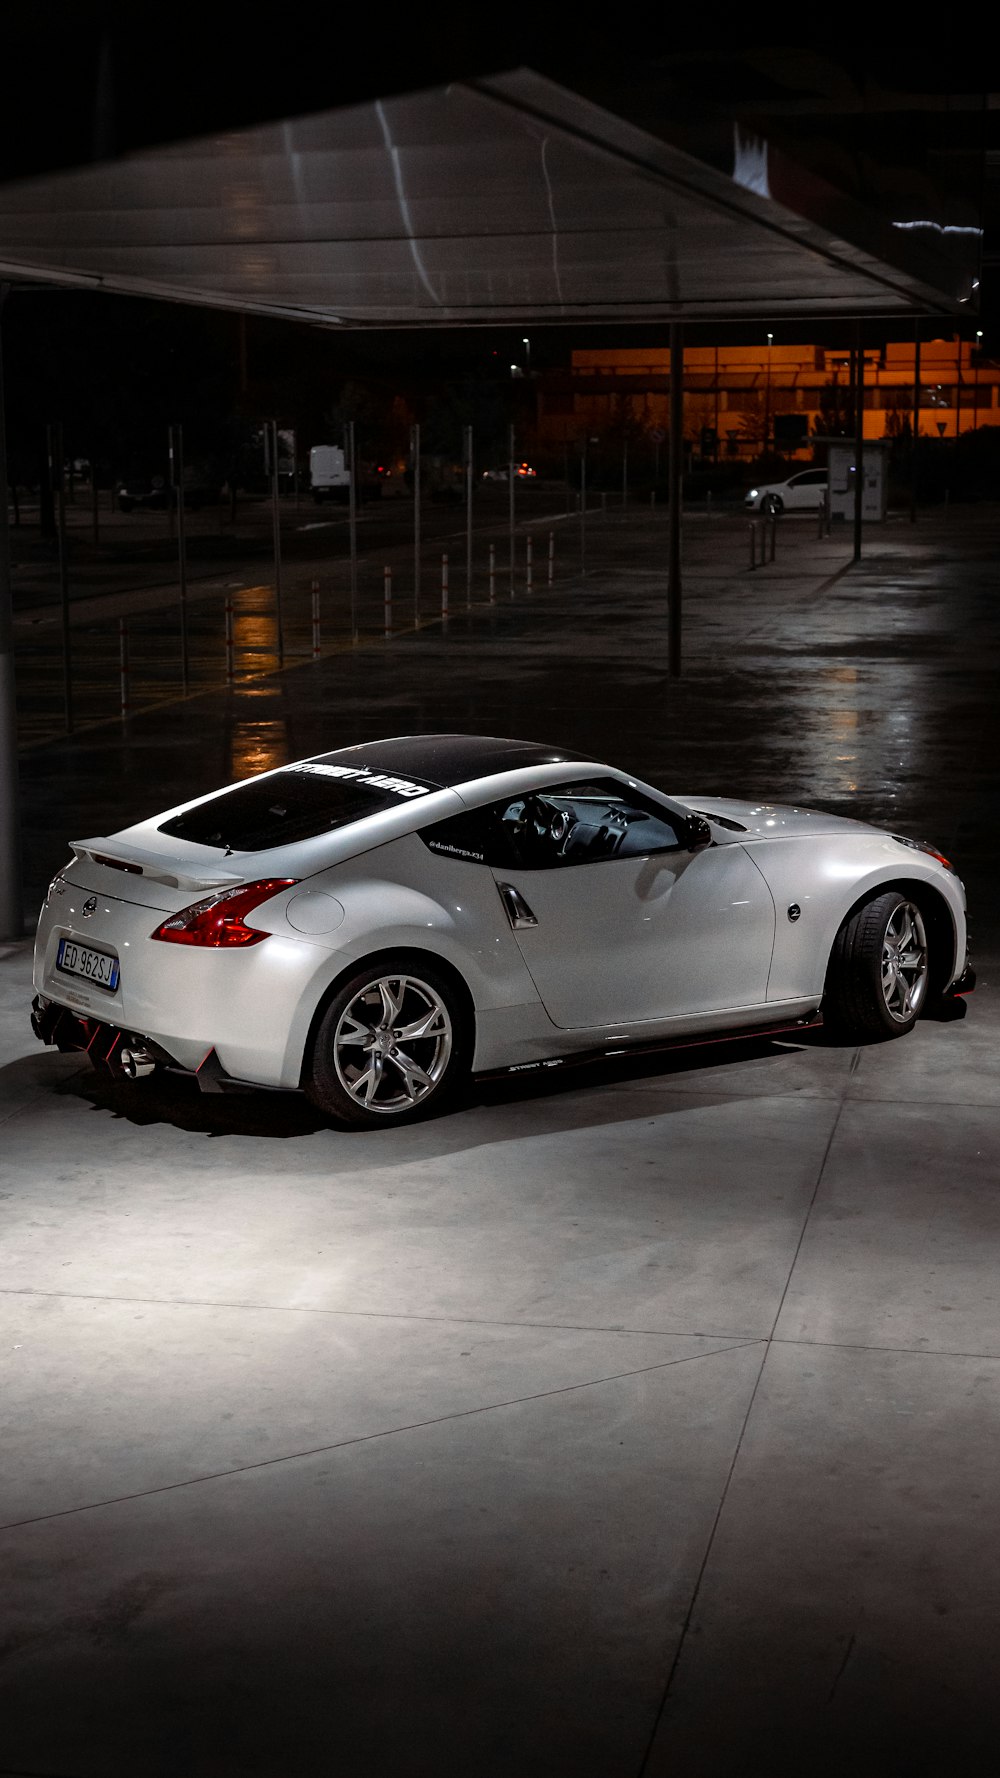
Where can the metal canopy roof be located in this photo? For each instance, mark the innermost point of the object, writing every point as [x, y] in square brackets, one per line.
[508, 199]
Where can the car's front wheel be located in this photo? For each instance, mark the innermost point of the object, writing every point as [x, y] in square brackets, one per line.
[393, 1045]
[773, 504]
[879, 970]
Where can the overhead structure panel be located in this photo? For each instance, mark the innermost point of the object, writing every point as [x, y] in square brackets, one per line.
[504, 199]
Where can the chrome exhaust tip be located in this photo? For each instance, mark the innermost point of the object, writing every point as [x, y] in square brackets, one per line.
[136, 1064]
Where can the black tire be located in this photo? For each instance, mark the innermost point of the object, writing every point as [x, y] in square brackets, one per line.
[773, 504]
[878, 978]
[360, 1074]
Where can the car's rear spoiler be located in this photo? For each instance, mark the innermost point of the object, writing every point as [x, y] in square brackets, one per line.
[174, 873]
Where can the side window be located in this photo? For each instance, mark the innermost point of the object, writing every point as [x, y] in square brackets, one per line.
[584, 823]
[475, 838]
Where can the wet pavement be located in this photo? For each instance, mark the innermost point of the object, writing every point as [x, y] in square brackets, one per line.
[645, 1423]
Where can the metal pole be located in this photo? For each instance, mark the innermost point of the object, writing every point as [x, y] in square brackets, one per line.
[915, 425]
[444, 589]
[123, 664]
[230, 664]
[271, 433]
[676, 472]
[316, 645]
[11, 902]
[583, 510]
[95, 510]
[55, 448]
[468, 515]
[527, 565]
[415, 452]
[859, 438]
[624, 475]
[493, 573]
[510, 504]
[552, 556]
[175, 452]
[387, 600]
[352, 526]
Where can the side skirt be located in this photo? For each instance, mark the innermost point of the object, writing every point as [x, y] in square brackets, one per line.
[658, 1046]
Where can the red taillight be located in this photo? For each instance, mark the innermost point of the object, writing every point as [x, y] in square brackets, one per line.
[217, 922]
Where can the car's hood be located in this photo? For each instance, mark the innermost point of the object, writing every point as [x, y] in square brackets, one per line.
[767, 821]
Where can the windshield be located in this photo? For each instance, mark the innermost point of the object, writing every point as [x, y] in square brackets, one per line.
[295, 804]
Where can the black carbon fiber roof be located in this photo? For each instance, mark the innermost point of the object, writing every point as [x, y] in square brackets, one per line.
[446, 760]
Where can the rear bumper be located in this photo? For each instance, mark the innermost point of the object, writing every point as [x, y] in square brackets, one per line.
[104, 1043]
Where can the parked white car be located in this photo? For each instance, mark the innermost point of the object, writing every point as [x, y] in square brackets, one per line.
[373, 924]
[804, 492]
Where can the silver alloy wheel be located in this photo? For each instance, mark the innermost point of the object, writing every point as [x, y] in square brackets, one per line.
[904, 963]
[392, 1044]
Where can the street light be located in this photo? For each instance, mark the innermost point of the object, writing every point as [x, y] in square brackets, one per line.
[526, 343]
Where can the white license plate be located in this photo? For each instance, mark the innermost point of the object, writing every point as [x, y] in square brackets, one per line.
[99, 967]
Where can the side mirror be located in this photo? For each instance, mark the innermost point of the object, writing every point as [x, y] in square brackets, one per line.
[697, 833]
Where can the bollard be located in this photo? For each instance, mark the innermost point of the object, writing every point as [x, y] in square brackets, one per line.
[774, 533]
[444, 588]
[387, 599]
[123, 662]
[552, 556]
[315, 620]
[528, 568]
[822, 516]
[493, 573]
[230, 672]
[753, 543]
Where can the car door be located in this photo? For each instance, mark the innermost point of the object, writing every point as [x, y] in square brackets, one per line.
[805, 491]
[618, 920]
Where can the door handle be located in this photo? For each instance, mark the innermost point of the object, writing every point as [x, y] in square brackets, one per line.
[516, 908]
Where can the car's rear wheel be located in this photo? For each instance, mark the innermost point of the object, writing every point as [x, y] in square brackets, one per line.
[393, 1045]
[773, 504]
[879, 972]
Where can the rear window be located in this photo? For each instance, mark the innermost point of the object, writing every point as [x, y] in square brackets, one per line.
[291, 805]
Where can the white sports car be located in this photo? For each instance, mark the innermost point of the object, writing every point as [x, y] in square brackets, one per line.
[373, 924]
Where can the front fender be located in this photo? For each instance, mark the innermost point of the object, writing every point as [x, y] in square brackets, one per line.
[825, 879]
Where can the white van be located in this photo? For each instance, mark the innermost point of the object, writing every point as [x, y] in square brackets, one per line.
[329, 475]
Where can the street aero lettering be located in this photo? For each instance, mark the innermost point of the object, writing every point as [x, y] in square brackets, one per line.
[362, 775]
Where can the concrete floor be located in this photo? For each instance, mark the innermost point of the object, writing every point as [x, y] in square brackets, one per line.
[645, 1423]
